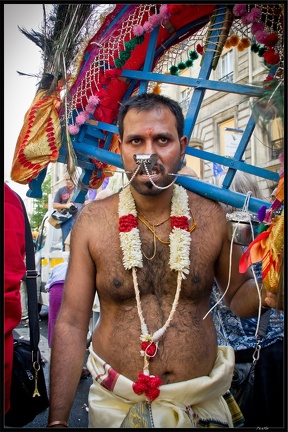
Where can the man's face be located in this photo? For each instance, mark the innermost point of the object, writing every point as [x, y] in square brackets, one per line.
[69, 182]
[152, 132]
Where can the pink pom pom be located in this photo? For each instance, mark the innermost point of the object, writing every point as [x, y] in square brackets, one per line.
[245, 19]
[257, 26]
[261, 36]
[138, 30]
[90, 108]
[93, 100]
[164, 13]
[155, 20]
[254, 15]
[147, 26]
[163, 10]
[73, 129]
[165, 18]
[80, 120]
[239, 9]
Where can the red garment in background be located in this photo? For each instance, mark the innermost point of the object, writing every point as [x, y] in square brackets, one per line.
[14, 270]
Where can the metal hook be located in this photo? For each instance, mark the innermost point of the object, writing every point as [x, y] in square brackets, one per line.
[146, 160]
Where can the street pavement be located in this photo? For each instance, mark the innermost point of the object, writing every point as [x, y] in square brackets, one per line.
[79, 413]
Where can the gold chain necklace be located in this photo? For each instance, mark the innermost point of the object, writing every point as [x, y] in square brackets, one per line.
[153, 231]
[150, 223]
[156, 236]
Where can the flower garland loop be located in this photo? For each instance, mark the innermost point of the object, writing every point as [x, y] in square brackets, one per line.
[179, 261]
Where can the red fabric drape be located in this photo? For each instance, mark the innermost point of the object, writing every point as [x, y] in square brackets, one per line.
[14, 270]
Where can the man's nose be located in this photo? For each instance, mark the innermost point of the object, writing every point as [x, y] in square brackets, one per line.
[149, 147]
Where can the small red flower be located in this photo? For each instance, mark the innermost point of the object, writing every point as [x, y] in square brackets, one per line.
[149, 347]
[271, 57]
[180, 222]
[271, 40]
[199, 49]
[127, 222]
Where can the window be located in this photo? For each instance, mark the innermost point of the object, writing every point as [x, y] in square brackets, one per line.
[277, 140]
[185, 98]
[226, 67]
[229, 138]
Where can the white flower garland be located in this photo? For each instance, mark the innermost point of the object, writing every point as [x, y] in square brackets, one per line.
[132, 258]
[179, 238]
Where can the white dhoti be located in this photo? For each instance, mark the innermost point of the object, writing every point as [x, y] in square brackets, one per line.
[188, 404]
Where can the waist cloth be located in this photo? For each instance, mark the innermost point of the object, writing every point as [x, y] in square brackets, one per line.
[198, 402]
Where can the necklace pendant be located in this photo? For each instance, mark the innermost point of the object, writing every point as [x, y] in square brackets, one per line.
[149, 348]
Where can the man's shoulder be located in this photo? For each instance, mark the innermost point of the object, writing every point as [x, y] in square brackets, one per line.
[195, 197]
[104, 208]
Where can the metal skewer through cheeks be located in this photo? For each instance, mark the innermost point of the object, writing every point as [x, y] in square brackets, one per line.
[146, 163]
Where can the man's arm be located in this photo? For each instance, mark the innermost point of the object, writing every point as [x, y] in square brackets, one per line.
[242, 296]
[69, 336]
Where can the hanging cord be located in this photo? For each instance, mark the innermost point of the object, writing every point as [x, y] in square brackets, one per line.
[246, 215]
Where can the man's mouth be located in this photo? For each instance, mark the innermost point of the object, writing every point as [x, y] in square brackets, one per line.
[146, 163]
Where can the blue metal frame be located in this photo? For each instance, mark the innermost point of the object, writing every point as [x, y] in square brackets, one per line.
[86, 142]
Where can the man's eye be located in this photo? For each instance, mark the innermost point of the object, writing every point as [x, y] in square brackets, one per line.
[135, 141]
[163, 140]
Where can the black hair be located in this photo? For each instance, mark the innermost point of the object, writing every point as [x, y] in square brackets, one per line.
[147, 102]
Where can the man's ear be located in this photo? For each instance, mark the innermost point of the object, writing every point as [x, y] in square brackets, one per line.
[183, 145]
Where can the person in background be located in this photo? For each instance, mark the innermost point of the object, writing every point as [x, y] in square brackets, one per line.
[266, 407]
[165, 246]
[62, 202]
[55, 286]
[92, 194]
[14, 270]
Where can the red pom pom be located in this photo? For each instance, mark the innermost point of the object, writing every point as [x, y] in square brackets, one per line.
[271, 57]
[271, 40]
[199, 49]
[152, 394]
[154, 382]
[149, 347]
[138, 387]
[147, 384]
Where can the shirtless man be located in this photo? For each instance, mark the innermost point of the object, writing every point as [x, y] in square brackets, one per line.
[152, 252]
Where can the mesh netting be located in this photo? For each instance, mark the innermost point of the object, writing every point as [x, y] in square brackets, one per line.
[109, 48]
